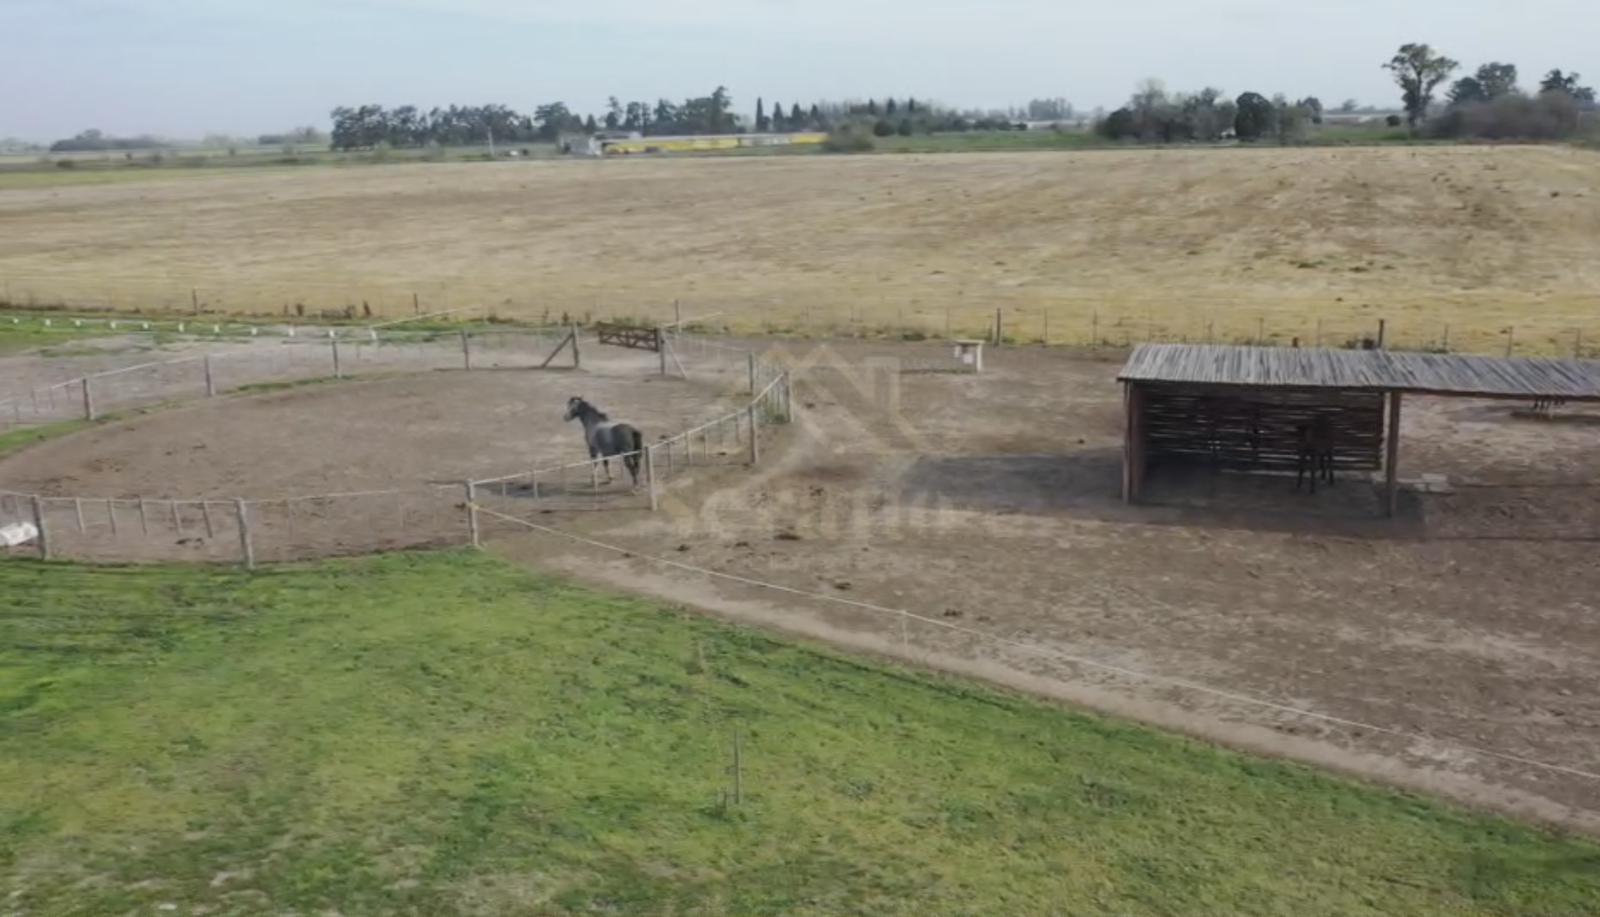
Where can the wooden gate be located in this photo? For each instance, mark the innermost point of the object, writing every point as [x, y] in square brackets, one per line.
[636, 337]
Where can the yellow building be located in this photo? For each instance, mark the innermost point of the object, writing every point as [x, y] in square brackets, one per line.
[690, 144]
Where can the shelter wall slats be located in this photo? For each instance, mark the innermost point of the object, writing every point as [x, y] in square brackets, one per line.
[1257, 429]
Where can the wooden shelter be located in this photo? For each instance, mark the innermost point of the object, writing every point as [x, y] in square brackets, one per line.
[1243, 407]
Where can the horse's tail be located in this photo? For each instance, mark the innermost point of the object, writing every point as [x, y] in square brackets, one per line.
[638, 439]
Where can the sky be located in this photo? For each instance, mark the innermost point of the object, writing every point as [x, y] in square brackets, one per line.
[184, 68]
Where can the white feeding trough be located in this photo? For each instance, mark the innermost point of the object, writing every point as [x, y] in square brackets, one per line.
[969, 354]
[17, 533]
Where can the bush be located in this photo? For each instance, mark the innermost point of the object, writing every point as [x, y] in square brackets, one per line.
[846, 140]
[1547, 116]
[904, 128]
[882, 128]
[1393, 121]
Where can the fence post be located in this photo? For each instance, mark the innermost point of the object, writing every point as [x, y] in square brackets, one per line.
[661, 350]
[1511, 336]
[755, 440]
[466, 350]
[1094, 327]
[416, 304]
[194, 300]
[334, 340]
[1446, 345]
[1383, 332]
[999, 331]
[247, 548]
[472, 512]
[576, 359]
[650, 477]
[88, 400]
[750, 365]
[211, 385]
[38, 523]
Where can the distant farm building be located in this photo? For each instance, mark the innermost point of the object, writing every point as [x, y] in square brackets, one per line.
[614, 146]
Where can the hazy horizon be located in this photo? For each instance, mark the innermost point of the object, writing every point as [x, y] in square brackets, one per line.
[185, 68]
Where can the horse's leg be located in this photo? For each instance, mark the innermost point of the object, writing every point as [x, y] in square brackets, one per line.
[1299, 470]
[605, 463]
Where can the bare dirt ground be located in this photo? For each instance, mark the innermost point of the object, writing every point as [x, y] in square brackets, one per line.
[1115, 244]
[1466, 629]
[394, 446]
[991, 503]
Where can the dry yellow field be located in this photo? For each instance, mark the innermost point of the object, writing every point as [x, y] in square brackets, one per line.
[1110, 245]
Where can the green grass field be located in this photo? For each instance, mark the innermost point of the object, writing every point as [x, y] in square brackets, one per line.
[444, 733]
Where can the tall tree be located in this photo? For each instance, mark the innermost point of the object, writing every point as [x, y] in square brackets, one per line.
[762, 124]
[872, 106]
[1467, 91]
[889, 108]
[780, 121]
[797, 118]
[1556, 81]
[1253, 116]
[1419, 70]
[614, 114]
[1497, 79]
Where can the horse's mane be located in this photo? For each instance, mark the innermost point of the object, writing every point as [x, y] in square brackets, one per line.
[596, 412]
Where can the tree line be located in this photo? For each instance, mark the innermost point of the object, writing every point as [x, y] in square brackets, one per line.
[1489, 103]
[367, 126]
[1153, 115]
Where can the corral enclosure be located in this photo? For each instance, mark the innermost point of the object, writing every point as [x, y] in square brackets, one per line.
[1470, 248]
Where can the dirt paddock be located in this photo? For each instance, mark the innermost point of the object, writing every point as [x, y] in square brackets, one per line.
[990, 503]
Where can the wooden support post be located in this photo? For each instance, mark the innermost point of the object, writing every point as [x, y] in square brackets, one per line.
[1511, 338]
[1094, 328]
[144, 519]
[750, 371]
[194, 300]
[77, 508]
[677, 314]
[211, 384]
[205, 514]
[577, 361]
[472, 512]
[661, 351]
[1391, 463]
[1132, 446]
[1045, 338]
[88, 400]
[177, 518]
[650, 478]
[755, 440]
[111, 515]
[999, 328]
[337, 373]
[416, 304]
[247, 548]
[39, 523]
[1383, 333]
[1445, 345]
[466, 350]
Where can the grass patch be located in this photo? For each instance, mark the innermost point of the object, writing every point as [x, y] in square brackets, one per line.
[256, 388]
[13, 440]
[442, 733]
[20, 337]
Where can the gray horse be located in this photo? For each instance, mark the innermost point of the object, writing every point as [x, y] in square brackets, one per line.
[606, 439]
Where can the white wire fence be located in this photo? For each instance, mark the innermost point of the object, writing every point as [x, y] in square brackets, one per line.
[250, 531]
[638, 479]
[327, 354]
